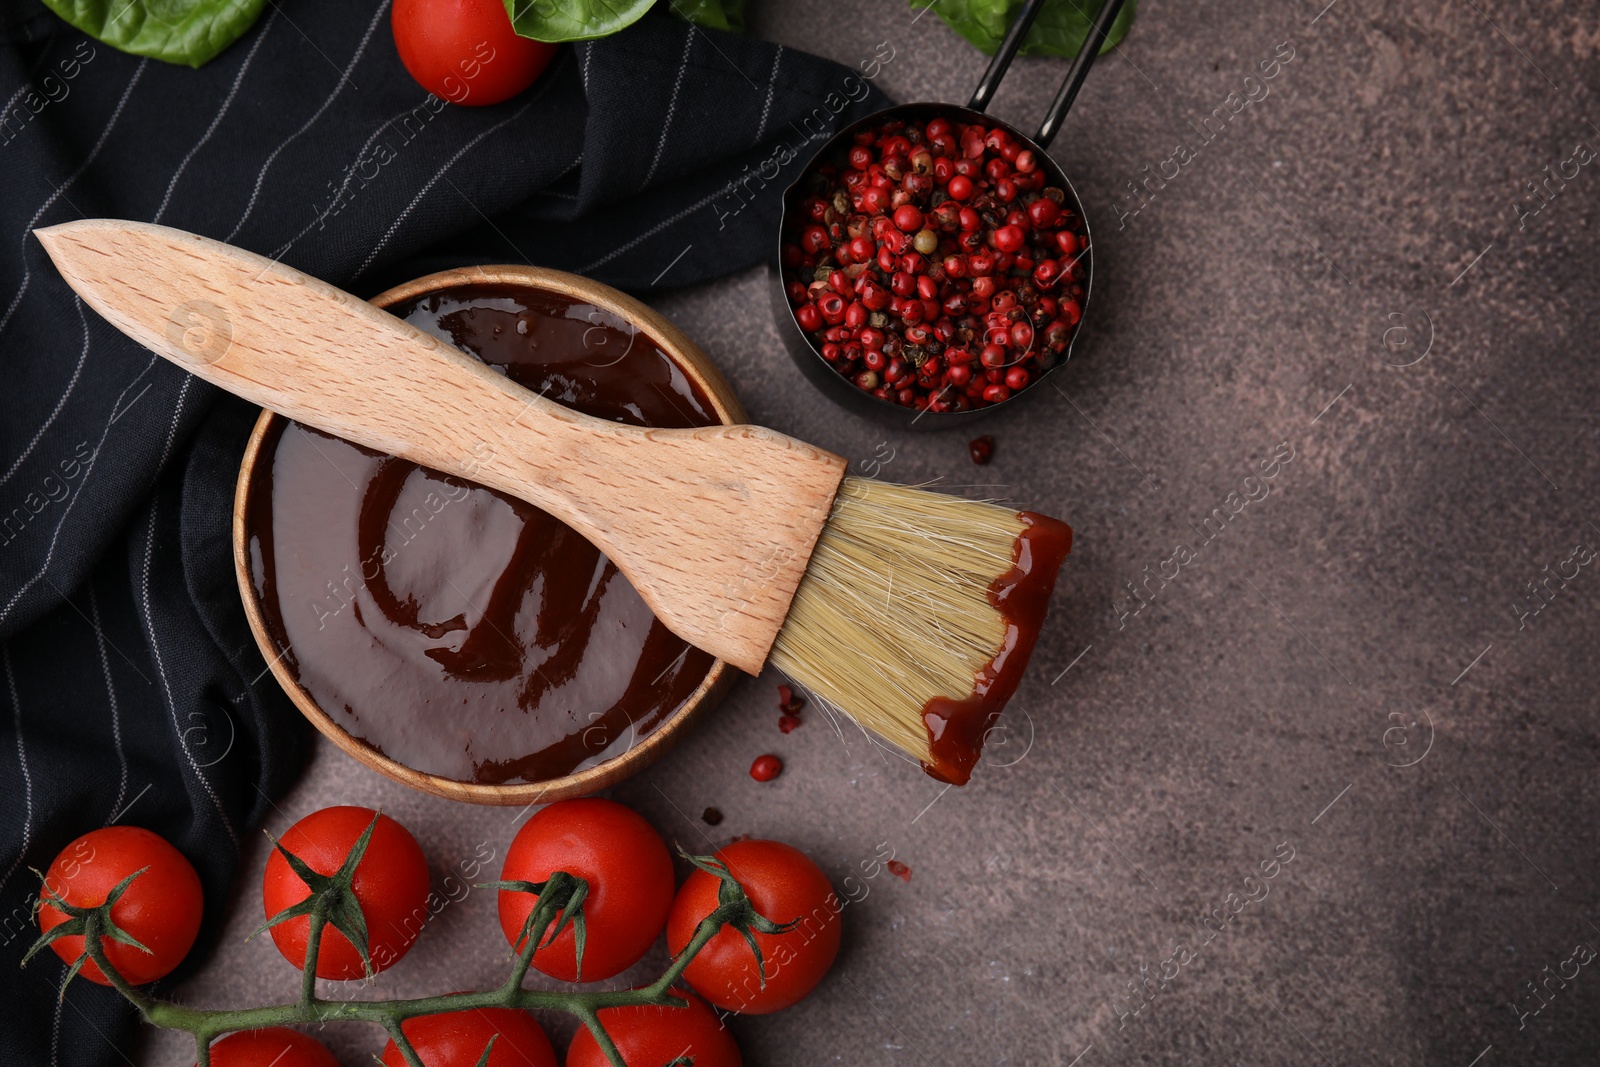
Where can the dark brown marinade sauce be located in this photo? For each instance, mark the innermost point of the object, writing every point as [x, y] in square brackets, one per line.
[957, 727]
[455, 629]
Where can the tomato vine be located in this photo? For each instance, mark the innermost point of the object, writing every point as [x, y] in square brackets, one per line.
[332, 901]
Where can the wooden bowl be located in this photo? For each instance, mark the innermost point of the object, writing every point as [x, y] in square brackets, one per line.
[724, 404]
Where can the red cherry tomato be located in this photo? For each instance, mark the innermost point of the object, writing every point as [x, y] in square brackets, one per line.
[465, 50]
[783, 884]
[630, 884]
[648, 1037]
[458, 1038]
[391, 884]
[160, 910]
[276, 1046]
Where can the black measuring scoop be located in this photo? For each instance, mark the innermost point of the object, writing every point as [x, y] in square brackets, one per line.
[800, 346]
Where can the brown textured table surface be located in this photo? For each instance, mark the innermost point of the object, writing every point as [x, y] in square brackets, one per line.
[1352, 667]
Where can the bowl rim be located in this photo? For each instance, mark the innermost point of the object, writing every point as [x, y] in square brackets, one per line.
[885, 409]
[724, 402]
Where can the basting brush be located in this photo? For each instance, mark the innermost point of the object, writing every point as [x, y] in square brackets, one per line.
[911, 611]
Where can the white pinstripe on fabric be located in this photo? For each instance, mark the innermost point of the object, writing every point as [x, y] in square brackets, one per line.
[111, 696]
[315, 115]
[22, 761]
[672, 105]
[55, 1033]
[90, 1023]
[426, 189]
[772, 86]
[24, 87]
[149, 620]
[88, 471]
[72, 384]
[651, 232]
[27, 272]
[568, 169]
[348, 175]
[216, 121]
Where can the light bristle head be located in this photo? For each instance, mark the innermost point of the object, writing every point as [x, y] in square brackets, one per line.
[894, 607]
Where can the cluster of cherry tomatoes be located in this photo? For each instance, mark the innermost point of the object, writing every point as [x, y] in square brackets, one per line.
[632, 898]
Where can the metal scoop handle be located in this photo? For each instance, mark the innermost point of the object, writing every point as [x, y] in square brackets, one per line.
[990, 83]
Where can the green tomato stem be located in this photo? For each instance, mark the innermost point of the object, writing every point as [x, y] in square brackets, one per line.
[308, 973]
[403, 1043]
[705, 931]
[523, 958]
[591, 1020]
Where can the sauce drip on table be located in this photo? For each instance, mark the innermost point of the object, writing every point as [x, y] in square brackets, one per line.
[455, 629]
[957, 727]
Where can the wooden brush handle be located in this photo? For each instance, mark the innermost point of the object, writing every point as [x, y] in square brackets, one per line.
[713, 526]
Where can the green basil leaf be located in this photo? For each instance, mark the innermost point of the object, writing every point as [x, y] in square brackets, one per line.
[573, 20]
[1064, 25]
[713, 14]
[1060, 29]
[189, 32]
